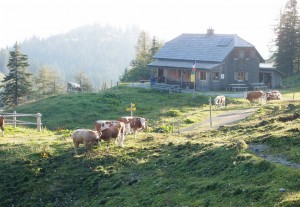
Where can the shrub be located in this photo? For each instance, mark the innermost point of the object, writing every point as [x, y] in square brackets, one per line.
[163, 129]
[189, 121]
[173, 113]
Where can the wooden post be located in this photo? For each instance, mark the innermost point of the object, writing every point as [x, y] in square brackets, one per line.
[15, 119]
[210, 115]
[131, 110]
[294, 96]
[173, 125]
[39, 122]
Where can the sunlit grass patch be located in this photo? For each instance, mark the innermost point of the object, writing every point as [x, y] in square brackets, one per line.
[290, 199]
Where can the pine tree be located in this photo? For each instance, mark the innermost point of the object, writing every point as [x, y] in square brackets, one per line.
[47, 82]
[287, 40]
[145, 50]
[16, 83]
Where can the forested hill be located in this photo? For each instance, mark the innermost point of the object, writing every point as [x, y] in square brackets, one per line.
[101, 52]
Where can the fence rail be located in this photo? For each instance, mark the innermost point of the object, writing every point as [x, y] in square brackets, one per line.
[16, 122]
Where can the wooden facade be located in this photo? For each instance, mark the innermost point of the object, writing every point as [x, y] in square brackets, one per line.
[220, 60]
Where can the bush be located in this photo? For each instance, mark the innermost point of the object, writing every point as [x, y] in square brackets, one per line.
[189, 121]
[163, 129]
[173, 113]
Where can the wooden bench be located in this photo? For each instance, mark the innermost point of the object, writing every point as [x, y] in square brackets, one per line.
[238, 86]
[144, 81]
[257, 86]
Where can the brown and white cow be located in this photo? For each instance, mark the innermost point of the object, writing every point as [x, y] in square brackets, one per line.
[255, 95]
[135, 123]
[111, 130]
[2, 124]
[100, 125]
[84, 136]
[220, 101]
[273, 95]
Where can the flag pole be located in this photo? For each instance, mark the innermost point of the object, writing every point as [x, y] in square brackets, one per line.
[194, 71]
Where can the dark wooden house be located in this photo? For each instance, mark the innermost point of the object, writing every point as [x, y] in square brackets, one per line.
[221, 60]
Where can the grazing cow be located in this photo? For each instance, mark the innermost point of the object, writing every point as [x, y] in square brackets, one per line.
[100, 125]
[84, 136]
[220, 101]
[74, 87]
[111, 130]
[255, 95]
[2, 124]
[135, 123]
[273, 95]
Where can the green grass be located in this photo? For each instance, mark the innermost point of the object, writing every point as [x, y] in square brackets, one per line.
[202, 168]
[81, 110]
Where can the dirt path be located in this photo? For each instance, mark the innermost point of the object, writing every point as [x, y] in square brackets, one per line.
[231, 117]
[226, 118]
[259, 150]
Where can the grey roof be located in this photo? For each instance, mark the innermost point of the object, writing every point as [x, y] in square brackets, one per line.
[201, 47]
[183, 64]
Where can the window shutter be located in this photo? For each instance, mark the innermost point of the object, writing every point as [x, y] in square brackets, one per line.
[246, 76]
[235, 76]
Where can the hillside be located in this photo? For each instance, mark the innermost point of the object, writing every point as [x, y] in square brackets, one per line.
[201, 168]
[101, 52]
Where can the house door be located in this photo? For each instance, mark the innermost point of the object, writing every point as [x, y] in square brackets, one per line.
[202, 80]
[160, 72]
[266, 78]
[160, 75]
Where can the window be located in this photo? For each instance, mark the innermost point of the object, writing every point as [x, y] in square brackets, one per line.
[241, 76]
[236, 54]
[202, 75]
[216, 76]
[248, 54]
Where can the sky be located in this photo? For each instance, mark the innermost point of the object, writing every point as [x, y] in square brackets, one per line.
[252, 20]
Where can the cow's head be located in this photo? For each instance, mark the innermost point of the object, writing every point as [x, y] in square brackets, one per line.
[143, 123]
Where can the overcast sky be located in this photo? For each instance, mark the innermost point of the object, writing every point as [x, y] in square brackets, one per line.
[252, 20]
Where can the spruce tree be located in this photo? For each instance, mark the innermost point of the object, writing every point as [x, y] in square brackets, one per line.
[145, 49]
[16, 83]
[48, 82]
[287, 40]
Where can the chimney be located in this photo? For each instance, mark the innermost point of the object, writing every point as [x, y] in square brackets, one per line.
[210, 31]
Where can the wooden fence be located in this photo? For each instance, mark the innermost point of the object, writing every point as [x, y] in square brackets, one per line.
[11, 118]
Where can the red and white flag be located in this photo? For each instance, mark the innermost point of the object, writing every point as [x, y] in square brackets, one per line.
[193, 73]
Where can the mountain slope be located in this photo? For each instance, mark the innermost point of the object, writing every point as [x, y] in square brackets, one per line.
[102, 53]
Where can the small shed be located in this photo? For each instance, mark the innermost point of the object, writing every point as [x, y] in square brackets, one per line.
[270, 77]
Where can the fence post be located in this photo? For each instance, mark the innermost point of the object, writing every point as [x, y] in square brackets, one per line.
[210, 116]
[15, 119]
[39, 122]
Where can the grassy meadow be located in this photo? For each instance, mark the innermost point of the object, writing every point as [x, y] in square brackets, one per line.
[159, 168]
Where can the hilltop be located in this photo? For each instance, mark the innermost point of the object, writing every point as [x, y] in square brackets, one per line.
[200, 168]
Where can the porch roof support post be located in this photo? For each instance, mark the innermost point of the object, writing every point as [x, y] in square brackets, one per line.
[181, 78]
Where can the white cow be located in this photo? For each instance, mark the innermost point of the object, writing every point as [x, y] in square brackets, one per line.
[74, 87]
[135, 123]
[220, 101]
